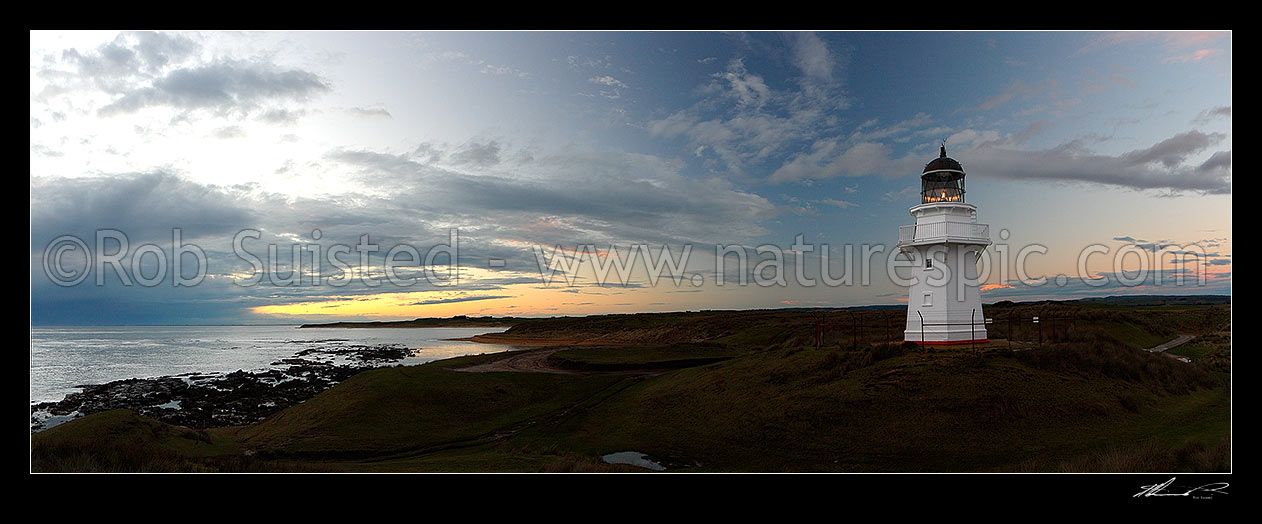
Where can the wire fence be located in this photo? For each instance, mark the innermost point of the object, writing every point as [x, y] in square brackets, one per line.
[1013, 328]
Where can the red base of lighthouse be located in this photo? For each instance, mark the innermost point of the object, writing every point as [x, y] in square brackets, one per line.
[948, 342]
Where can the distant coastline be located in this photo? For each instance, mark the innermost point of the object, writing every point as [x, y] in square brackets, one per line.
[464, 321]
[459, 321]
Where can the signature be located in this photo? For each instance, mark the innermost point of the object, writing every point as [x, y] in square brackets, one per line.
[1160, 490]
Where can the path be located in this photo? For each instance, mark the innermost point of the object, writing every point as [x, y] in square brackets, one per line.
[531, 361]
[1178, 341]
[537, 362]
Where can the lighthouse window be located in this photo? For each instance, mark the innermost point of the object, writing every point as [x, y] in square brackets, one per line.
[928, 299]
[928, 263]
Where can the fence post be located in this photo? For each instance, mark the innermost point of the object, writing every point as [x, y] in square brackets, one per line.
[854, 336]
[819, 332]
[972, 330]
[922, 330]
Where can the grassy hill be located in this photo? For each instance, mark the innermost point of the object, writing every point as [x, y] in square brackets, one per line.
[739, 391]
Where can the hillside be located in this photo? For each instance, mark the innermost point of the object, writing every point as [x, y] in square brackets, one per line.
[748, 391]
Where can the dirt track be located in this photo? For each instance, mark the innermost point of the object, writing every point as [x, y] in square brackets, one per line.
[1178, 341]
[529, 361]
[537, 362]
[499, 338]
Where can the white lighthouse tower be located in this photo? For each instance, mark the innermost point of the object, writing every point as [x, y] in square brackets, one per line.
[943, 302]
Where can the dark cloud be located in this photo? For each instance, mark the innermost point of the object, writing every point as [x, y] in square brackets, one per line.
[1161, 166]
[157, 50]
[478, 154]
[222, 86]
[570, 198]
[457, 299]
[1157, 167]
[1211, 114]
[132, 53]
[145, 206]
[1219, 162]
[1178, 281]
[1172, 151]
[117, 66]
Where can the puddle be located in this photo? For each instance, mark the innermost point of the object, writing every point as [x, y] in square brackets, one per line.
[632, 458]
[48, 420]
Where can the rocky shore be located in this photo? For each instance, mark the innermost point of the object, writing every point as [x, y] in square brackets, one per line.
[199, 400]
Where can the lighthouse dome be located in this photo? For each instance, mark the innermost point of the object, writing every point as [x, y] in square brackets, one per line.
[943, 163]
[942, 180]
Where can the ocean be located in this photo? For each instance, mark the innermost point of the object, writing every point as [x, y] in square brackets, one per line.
[64, 357]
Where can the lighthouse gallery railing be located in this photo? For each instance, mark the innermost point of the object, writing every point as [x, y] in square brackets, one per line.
[943, 230]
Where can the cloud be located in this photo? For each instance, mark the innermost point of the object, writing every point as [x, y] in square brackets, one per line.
[229, 132]
[224, 87]
[1211, 114]
[478, 154]
[281, 116]
[1195, 56]
[458, 299]
[1220, 162]
[740, 121]
[607, 81]
[571, 197]
[1163, 165]
[370, 112]
[839, 203]
[811, 55]
[1160, 166]
[747, 89]
[1174, 150]
[1172, 40]
[129, 55]
[138, 70]
[145, 206]
[1016, 89]
[906, 193]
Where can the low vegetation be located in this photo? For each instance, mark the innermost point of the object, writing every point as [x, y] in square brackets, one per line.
[745, 391]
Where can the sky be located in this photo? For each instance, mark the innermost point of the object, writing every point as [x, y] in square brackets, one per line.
[527, 146]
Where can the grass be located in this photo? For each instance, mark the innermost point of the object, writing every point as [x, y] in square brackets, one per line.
[916, 412]
[397, 410]
[122, 441]
[752, 395]
[652, 356]
[1155, 458]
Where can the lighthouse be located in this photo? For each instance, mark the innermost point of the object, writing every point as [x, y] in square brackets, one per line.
[943, 302]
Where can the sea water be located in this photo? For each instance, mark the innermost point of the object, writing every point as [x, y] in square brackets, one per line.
[65, 357]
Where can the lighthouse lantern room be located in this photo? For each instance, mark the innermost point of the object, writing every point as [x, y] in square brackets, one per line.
[944, 303]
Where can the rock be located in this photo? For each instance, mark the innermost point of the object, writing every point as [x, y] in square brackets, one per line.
[232, 399]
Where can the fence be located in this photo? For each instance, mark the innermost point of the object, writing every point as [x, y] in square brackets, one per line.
[1022, 328]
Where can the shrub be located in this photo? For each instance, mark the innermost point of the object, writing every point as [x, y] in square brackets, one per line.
[1103, 355]
[884, 351]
